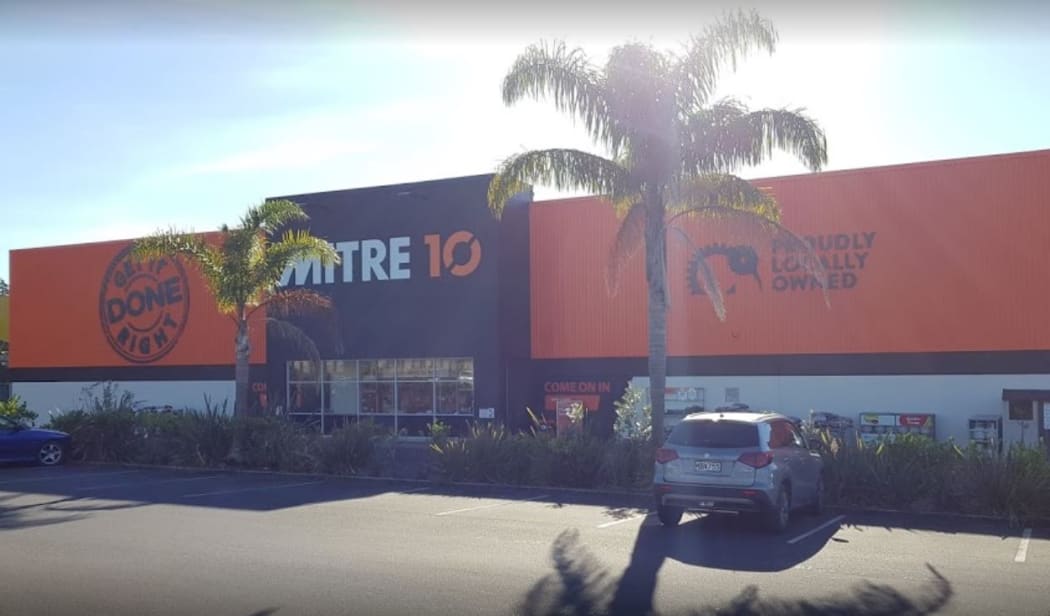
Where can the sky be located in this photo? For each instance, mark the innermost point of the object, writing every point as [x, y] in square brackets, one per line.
[122, 118]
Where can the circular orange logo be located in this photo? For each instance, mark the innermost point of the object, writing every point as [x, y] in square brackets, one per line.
[143, 306]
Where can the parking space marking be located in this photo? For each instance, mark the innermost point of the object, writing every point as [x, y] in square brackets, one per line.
[494, 505]
[67, 476]
[252, 489]
[1022, 550]
[808, 533]
[145, 483]
[621, 521]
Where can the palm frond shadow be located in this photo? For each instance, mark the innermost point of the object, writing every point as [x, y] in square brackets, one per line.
[14, 520]
[580, 585]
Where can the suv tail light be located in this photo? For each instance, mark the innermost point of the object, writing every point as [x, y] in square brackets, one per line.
[663, 455]
[756, 459]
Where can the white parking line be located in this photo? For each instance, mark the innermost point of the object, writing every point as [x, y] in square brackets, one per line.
[621, 521]
[67, 476]
[834, 520]
[254, 489]
[1022, 550]
[503, 504]
[146, 483]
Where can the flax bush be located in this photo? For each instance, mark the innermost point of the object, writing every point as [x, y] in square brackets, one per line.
[15, 408]
[915, 473]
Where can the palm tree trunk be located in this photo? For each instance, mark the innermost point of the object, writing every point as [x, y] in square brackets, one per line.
[656, 276]
[241, 377]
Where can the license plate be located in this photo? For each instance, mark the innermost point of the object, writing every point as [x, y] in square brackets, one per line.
[708, 467]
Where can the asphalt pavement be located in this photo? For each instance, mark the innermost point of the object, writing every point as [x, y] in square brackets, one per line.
[112, 540]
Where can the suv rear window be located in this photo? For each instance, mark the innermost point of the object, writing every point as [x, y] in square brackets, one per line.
[714, 434]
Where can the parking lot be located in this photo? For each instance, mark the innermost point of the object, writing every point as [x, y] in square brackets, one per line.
[116, 540]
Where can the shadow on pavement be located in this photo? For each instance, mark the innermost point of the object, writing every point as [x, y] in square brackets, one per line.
[727, 542]
[581, 585]
[87, 488]
[913, 523]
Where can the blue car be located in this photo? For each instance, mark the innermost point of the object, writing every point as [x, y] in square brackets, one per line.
[20, 443]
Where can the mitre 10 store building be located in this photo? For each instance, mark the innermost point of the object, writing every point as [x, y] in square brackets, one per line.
[934, 313]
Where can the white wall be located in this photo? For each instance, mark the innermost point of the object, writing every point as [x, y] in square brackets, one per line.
[952, 398]
[60, 397]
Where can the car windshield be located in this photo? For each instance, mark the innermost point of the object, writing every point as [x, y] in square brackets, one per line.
[714, 434]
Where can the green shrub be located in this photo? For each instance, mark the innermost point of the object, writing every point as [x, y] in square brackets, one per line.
[491, 454]
[104, 428]
[633, 418]
[628, 464]
[916, 473]
[204, 437]
[351, 449]
[186, 438]
[1016, 485]
[15, 408]
[273, 443]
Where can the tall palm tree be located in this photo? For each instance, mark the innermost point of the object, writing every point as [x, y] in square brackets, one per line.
[243, 270]
[671, 149]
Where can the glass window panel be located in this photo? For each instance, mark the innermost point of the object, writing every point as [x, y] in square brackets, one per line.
[455, 397]
[377, 369]
[465, 397]
[415, 369]
[340, 370]
[466, 370]
[302, 370]
[386, 368]
[415, 397]
[304, 398]
[377, 398]
[449, 368]
[342, 397]
[367, 369]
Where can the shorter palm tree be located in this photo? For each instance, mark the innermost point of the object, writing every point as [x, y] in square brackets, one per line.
[243, 270]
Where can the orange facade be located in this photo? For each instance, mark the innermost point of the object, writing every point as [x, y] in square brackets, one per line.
[89, 306]
[931, 257]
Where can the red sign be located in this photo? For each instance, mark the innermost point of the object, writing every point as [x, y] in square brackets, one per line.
[915, 421]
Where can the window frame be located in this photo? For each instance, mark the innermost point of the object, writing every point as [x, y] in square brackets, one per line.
[462, 381]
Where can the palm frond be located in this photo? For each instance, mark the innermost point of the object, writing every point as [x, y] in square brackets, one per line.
[629, 238]
[292, 247]
[564, 169]
[272, 215]
[701, 270]
[300, 341]
[191, 247]
[721, 191]
[290, 303]
[565, 75]
[727, 136]
[724, 42]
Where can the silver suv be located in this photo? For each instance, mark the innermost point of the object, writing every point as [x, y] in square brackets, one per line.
[737, 462]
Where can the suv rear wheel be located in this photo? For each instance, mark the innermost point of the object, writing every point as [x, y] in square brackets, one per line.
[669, 516]
[779, 513]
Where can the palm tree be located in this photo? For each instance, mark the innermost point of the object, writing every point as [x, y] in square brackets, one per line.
[243, 271]
[672, 150]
